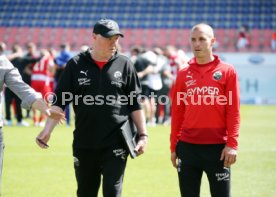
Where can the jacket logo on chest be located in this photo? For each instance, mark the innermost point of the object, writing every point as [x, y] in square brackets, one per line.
[118, 79]
[189, 75]
[84, 72]
[118, 75]
[190, 83]
[84, 81]
[217, 75]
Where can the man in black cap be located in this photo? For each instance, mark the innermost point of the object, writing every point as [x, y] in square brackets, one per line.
[95, 80]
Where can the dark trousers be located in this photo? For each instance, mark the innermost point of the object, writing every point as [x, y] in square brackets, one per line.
[9, 96]
[193, 161]
[90, 165]
[163, 98]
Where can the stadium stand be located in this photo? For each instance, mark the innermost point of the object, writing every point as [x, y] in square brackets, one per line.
[147, 22]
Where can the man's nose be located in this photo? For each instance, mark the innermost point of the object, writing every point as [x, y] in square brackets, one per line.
[196, 43]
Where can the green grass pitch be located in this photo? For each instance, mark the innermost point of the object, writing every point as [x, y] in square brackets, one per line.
[32, 172]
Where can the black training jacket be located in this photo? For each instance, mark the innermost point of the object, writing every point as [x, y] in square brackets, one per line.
[93, 92]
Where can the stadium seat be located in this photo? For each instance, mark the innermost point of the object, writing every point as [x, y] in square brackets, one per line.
[266, 41]
[147, 17]
[35, 34]
[12, 35]
[255, 40]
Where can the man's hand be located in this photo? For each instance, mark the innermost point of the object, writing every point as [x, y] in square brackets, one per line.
[43, 138]
[229, 155]
[141, 145]
[56, 115]
[174, 159]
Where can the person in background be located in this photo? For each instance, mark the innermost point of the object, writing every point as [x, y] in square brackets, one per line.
[2, 48]
[273, 41]
[134, 53]
[61, 60]
[53, 54]
[20, 63]
[205, 118]
[243, 42]
[27, 72]
[143, 67]
[42, 72]
[163, 104]
[84, 48]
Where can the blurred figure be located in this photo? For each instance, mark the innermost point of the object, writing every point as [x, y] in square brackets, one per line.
[2, 48]
[61, 61]
[182, 59]
[40, 80]
[26, 75]
[20, 63]
[163, 110]
[142, 66]
[84, 48]
[31, 53]
[134, 52]
[177, 60]
[243, 38]
[273, 41]
[154, 83]
[53, 55]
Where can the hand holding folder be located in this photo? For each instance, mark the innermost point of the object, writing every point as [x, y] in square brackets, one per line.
[130, 136]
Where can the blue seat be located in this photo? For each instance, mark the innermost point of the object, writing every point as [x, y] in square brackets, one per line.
[142, 14]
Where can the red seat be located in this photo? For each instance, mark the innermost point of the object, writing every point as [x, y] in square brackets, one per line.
[162, 37]
[23, 36]
[136, 37]
[84, 36]
[45, 36]
[230, 40]
[35, 34]
[3, 34]
[183, 40]
[267, 36]
[220, 38]
[173, 36]
[255, 39]
[12, 33]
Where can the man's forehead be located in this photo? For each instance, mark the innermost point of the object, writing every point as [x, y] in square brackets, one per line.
[202, 32]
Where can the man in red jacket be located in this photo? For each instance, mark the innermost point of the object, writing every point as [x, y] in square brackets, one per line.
[205, 118]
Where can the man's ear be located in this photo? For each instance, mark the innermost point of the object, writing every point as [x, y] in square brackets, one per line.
[94, 36]
[213, 40]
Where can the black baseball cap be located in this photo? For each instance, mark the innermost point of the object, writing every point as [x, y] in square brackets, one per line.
[107, 28]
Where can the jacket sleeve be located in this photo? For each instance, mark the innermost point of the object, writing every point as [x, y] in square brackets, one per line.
[14, 82]
[233, 109]
[178, 108]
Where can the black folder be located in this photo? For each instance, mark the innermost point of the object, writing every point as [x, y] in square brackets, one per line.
[130, 136]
